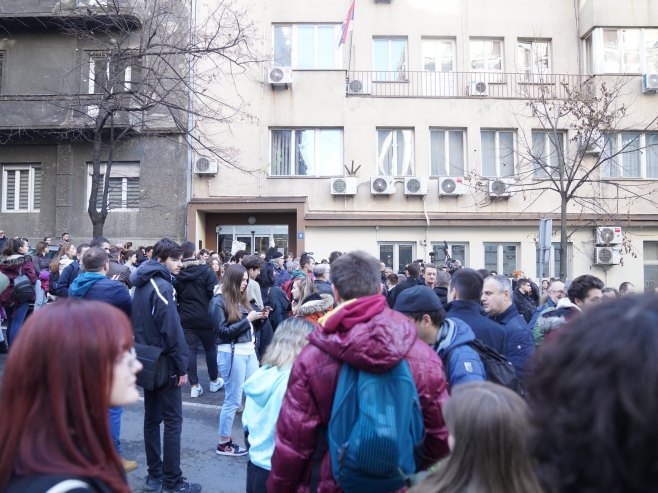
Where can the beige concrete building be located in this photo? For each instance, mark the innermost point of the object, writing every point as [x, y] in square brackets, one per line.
[416, 131]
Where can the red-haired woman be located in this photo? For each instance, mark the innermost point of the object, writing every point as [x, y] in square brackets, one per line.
[57, 433]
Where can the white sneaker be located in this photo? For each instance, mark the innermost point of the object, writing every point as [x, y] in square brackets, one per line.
[197, 390]
[216, 385]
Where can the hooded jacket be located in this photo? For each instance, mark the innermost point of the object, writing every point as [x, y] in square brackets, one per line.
[368, 335]
[551, 320]
[13, 266]
[194, 289]
[313, 309]
[519, 341]
[60, 286]
[95, 286]
[485, 329]
[155, 317]
[465, 364]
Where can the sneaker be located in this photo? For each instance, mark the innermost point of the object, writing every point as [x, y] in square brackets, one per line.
[128, 465]
[215, 385]
[184, 487]
[231, 448]
[197, 390]
[152, 485]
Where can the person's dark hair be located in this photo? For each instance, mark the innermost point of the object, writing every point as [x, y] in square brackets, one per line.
[252, 262]
[60, 426]
[46, 237]
[624, 286]
[592, 401]
[413, 270]
[468, 284]
[436, 317]
[237, 258]
[393, 279]
[63, 235]
[522, 282]
[188, 249]
[305, 260]
[204, 251]
[82, 247]
[233, 297]
[356, 274]
[12, 245]
[98, 241]
[126, 254]
[266, 277]
[334, 255]
[166, 248]
[581, 285]
[41, 246]
[484, 273]
[148, 249]
[610, 290]
[94, 259]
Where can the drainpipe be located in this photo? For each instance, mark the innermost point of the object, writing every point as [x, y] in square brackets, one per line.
[190, 122]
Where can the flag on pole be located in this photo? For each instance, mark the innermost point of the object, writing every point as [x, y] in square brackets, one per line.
[347, 25]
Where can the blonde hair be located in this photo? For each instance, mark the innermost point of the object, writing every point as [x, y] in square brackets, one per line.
[288, 341]
[306, 287]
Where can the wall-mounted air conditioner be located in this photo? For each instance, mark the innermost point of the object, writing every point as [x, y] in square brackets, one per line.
[501, 187]
[449, 186]
[279, 76]
[609, 235]
[607, 256]
[205, 166]
[415, 185]
[359, 87]
[649, 83]
[478, 88]
[382, 185]
[343, 186]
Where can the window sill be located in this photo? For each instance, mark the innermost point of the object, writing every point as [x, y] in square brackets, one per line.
[304, 177]
[22, 211]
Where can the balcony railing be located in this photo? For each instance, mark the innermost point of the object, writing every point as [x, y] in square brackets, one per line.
[496, 85]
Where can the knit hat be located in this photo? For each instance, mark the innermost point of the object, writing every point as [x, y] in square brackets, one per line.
[273, 253]
[417, 299]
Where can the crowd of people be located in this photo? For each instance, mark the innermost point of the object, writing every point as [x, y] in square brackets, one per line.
[354, 378]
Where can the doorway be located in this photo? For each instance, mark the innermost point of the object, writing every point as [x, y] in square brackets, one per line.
[256, 239]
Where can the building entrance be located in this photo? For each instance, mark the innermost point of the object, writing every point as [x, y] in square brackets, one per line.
[255, 238]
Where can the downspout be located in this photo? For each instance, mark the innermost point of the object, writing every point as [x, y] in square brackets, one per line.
[190, 122]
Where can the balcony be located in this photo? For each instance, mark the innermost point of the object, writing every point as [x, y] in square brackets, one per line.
[493, 85]
[25, 12]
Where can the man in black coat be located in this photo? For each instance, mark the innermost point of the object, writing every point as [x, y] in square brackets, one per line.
[413, 279]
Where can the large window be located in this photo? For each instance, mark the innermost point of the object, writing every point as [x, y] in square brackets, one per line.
[108, 73]
[487, 55]
[534, 58]
[439, 55]
[650, 250]
[547, 152]
[306, 152]
[630, 155]
[21, 187]
[447, 152]
[457, 251]
[396, 255]
[307, 46]
[501, 257]
[552, 268]
[622, 51]
[124, 191]
[390, 59]
[497, 153]
[395, 152]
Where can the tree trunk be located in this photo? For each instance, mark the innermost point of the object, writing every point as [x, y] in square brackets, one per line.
[563, 236]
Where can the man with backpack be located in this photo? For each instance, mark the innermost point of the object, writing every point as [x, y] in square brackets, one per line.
[365, 392]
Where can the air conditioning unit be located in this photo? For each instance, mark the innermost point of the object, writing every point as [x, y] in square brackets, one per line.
[609, 235]
[343, 186]
[607, 256]
[502, 187]
[204, 166]
[649, 83]
[414, 185]
[279, 76]
[359, 87]
[382, 185]
[478, 88]
[449, 186]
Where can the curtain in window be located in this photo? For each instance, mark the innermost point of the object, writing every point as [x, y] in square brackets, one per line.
[488, 153]
[437, 152]
[652, 155]
[282, 46]
[405, 154]
[456, 153]
[385, 154]
[506, 153]
[304, 152]
[539, 160]
[630, 143]
[609, 167]
[281, 143]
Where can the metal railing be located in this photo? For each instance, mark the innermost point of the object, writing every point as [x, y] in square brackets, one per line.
[496, 85]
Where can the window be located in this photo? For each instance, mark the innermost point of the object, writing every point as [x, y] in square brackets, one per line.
[21, 187]
[307, 46]
[552, 268]
[447, 152]
[439, 55]
[124, 192]
[396, 255]
[622, 51]
[2, 63]
[457, 251]
[534, 58]
[547, 152]
[650, 250]
[501, 257]
[497, 153]
[108, 72]
[630, 155]
[306, 152]
[395, 152]
[390, 59]
[486, 55]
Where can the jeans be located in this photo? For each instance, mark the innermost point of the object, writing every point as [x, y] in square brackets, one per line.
[114, 415]
[243, 368]
[163, 460]
[207, 339]
[15, 317]
[256, 478]
[42, 297]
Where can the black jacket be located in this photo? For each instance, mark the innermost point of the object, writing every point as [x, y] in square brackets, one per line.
[194, 289]
[410, 282]
[524, 304]
[122, 271]
[60, 286]
[155, 316]
[233, 333]
[485, 329]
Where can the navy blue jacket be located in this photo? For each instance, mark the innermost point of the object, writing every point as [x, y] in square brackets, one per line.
[489, 332]
[62, 285]
[95, 286]
[549, 304]
[520, 343]
[155, 317]
[194, 290]
[465, 364]
[323, 287]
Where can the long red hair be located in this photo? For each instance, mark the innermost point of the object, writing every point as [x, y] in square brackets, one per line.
[56, 390]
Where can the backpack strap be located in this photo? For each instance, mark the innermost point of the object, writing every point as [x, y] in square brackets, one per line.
[68, 485]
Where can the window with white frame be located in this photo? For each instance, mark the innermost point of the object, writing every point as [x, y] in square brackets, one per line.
[622, 51]
[650, 257]
[534, 58]
[486, 54]
[552, 267]
[396, 255]
[439, 54]
[306, 152]
[307, 46]
[456, 250]
[447, 152]
[630, 155]
[501, 257]
[497, 153]
[395, 152]
[21, 187]
[390, 59]
[547, 152]
[124, 191]
[108, 73]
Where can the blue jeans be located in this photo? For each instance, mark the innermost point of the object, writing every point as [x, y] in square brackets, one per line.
[42, 297]
[15, 317]
[114, 415]
[243, 368]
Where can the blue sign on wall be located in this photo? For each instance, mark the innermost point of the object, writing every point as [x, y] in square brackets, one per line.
[300, 236]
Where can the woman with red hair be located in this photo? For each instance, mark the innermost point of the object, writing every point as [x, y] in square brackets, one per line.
[73, 360]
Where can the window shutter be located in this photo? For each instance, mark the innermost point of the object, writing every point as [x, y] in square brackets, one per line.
[11, 190]
[24, 189]
[115, 197]
[132, 198]
[36, 191]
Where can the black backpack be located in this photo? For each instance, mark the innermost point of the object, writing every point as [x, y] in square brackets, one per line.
[499, 369]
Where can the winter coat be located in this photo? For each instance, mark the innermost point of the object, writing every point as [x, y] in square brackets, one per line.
[551, 320]
[313, 310]
[95, 286]
[13, 266]
[116, 269]
[519, 342]
[442, 293]
[60, 286]
[194, 290]
[323, 287]
[155, 317]
[485, 329]
[541, 309]
[465, 364]
[41, 262]
[524, 305]
[410, 282]
[369, 336]
[275, 297]
[281, 276]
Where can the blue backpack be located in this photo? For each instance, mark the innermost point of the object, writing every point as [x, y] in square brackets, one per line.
[376, 429]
